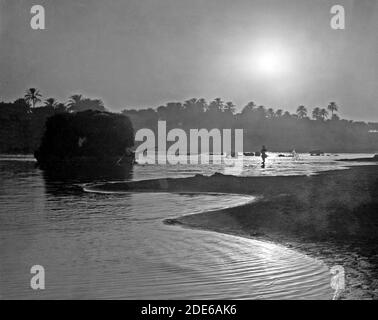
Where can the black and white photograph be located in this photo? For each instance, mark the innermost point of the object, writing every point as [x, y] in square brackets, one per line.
[189, 150]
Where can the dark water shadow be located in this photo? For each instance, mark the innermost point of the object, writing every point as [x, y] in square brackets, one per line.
[68, 179]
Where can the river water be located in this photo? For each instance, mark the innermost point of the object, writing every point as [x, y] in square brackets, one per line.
[115, 246]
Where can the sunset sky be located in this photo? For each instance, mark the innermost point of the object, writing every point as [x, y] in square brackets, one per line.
[144, 53]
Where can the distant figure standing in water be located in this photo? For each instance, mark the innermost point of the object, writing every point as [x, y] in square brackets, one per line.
[295, 155]
[263, 156]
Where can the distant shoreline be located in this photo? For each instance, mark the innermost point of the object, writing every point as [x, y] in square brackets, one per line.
[330, 215]
[372, 159]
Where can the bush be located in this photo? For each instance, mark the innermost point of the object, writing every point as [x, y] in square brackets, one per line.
[89, 133]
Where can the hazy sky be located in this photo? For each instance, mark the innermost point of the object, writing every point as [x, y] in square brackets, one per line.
[139, 53]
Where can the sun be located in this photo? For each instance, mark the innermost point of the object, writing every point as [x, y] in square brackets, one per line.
[270, 63]
[265, 59]
[271, 60]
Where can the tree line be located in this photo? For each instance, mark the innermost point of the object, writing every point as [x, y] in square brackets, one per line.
[319, 128]
[22, 123]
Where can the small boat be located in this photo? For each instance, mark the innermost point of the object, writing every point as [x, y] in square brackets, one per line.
[316, 153]
[249, 154]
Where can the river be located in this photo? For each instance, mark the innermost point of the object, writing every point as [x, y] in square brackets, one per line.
[115, 246]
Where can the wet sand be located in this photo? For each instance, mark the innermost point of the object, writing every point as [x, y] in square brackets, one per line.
[332, 216]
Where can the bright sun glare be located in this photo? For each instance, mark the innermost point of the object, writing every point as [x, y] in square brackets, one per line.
[267, 59]
[270, 63]
[270, 59]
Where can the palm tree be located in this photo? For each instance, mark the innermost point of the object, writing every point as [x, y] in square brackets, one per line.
[89, 104]
[217, 105]
[51, 102]
[301, 112]
[229, 107]
[279, 113]
[189, 105]
[98, 104]
[32, 96]
[202, 104]
[261, 110]
[270, 113]
[249, 107]
[332, 107]
[287, 114]
[60, 108]
[323, 114]
[75, 100]
[316, 113]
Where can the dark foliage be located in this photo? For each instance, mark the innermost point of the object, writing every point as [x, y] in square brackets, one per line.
[22, 122]
[86, 134]
[278, 130]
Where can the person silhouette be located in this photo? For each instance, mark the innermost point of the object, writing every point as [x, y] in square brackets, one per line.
[263, 156]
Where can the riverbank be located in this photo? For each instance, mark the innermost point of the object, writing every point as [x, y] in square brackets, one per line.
[332, 216]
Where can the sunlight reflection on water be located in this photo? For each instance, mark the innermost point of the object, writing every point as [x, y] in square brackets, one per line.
[251, 166]
[116, 246]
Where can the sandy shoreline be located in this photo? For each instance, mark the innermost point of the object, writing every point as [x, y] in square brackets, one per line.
[332, 216]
